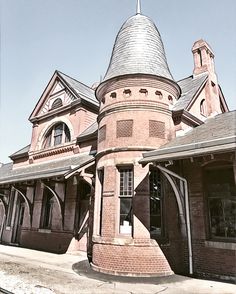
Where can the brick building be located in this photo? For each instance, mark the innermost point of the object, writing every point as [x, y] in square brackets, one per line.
[139, 172]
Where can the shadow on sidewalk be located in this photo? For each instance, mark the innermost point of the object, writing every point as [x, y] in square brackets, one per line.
[83, 268]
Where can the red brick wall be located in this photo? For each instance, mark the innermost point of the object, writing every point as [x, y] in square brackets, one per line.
[137, 259]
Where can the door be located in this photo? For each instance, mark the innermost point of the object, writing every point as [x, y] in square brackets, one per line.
[19, 217]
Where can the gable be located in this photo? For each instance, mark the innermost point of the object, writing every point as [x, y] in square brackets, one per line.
[58, 97]
[56, 90]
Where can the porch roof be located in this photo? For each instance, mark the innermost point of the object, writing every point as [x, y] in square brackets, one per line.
[11, 174]
[217, 135]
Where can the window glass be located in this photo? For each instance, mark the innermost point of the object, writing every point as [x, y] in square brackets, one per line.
[221, 198]
[156, 202]
[57, 135]
[101, 180]
[126, 193]
[58, 132]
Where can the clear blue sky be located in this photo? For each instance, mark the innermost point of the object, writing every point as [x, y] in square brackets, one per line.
[77, 36]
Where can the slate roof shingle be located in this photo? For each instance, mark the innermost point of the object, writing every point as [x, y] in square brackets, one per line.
[216, 134]
[189, 87]
[41, 170]
[81, 89]
[138, 49]
[91, 130]
[20, 152]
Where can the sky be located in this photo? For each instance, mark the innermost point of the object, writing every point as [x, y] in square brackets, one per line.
[77, 36]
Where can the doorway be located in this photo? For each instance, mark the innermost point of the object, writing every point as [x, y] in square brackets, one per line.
[19, 217]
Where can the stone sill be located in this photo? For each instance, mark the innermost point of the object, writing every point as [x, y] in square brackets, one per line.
[220, 245]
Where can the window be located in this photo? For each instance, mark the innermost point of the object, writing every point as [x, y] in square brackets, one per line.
[56, 103]
[57, 135]
[156, 203]
[221, 201]
[126, 193]
[101, 180]
[200, 56]
[47, 208]
[203, 110]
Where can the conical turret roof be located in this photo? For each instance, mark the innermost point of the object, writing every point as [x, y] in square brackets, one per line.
[138, 49]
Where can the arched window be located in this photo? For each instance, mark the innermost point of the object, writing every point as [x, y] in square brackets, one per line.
[57, 135]
[203, 109]
[56, 103]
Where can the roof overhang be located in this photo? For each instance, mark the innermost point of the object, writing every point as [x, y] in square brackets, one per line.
[190, 150]
[185, 117]
[22, 174]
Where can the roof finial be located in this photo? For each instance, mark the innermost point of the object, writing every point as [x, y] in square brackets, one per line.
[138, 7]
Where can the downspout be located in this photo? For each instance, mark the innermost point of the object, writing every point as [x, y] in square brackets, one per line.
[186, 200]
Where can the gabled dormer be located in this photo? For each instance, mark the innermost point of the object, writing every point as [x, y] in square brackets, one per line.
[65, 109]
[61, 93]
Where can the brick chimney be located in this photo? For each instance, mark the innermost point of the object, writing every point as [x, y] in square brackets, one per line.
[204, 63]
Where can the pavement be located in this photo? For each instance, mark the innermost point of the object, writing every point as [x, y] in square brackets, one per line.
[24, 271]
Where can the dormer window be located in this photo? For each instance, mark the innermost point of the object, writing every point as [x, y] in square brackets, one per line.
[57, 135]
[56, 103]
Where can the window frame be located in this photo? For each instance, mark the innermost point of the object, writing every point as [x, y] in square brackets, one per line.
[216, 166]
[129, 189]
[162, 234]
[49, 140]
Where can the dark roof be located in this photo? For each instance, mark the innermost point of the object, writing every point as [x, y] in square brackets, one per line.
[138, 49]
[8, 174]
[23, 151]
[217, 134]
[90, 131]
[82, 90]
[189, 88]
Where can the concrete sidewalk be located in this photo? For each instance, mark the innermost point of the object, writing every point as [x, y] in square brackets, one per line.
[25, 271]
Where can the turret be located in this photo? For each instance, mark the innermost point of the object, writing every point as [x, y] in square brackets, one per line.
[136, 96]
